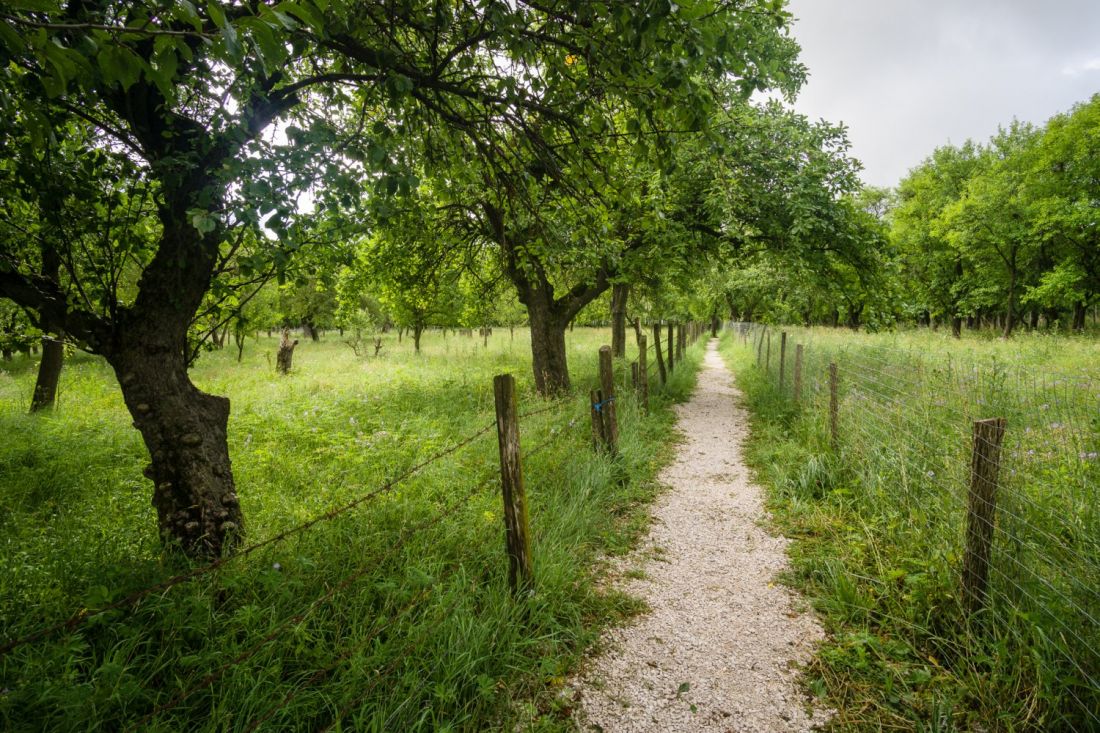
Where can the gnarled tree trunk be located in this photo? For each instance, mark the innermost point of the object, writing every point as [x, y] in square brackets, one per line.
[184, 430]
[285, 355]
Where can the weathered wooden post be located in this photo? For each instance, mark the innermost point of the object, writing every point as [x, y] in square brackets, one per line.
[643, 373]
[834, 408]
[595, 398]
[798, 373]
[657, 350]
[760, 349]
[607, 386]
[782, 359]
[985, 464]
[768, 354]
[516, 540]
[634, 375]
[671, 347]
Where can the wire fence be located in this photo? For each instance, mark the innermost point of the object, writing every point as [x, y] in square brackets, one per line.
[902, 424]
[179, 689]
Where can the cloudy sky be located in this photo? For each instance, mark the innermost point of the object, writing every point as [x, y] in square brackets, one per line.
[907, 76]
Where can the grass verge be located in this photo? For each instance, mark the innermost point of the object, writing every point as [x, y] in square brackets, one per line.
[878, 525]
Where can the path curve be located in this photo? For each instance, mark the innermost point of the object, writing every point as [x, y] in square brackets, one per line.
[720, 648]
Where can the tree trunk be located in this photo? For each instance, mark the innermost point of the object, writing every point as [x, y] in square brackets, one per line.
[49, 372]
[418, 330]
[548, 315]
[956, 326]
[1033, 319]
[285, 355]
[854, 316]
[548, 354]
[657, 349]
[6, 353]
[1079, 311]
[1010, 313]
[184, 430]
[714, 323]
[637, 324]
[238, 338]
[620, 292]
[310, 330]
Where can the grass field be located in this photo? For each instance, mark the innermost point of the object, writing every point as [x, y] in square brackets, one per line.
[393, 616]
[880, 520]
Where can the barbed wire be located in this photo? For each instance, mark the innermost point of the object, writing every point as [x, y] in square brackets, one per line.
[84, 615]
[908, 418]
[320, 601]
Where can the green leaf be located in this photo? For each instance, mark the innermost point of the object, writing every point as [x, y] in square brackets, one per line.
[120, 65]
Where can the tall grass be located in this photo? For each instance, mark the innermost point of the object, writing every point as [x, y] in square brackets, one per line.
[394, 616]
[880, 524]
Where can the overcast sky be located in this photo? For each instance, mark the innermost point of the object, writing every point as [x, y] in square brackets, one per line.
[908, 76]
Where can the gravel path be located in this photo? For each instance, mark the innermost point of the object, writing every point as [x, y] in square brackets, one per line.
[720, 648]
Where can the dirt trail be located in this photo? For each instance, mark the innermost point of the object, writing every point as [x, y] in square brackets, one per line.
[719, 650]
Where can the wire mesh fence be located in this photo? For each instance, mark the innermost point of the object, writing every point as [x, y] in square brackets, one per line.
[901, 424]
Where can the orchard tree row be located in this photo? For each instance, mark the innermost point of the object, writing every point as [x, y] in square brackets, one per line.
[995, 235]
[174, 169]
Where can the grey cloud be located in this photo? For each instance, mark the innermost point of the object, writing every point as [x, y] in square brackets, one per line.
[907, 77]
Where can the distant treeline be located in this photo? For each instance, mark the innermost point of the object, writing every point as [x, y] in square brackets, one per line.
[1000, 235]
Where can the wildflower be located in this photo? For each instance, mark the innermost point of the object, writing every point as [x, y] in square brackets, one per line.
[1087, 455]
[276, 566]
[1056, 426]
[1044, 406]
[931, 474]
[1031, 451]
[352, 421]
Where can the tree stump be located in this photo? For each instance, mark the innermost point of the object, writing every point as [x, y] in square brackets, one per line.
[286, 353]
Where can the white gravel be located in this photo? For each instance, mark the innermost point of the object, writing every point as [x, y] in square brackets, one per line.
[721, 646]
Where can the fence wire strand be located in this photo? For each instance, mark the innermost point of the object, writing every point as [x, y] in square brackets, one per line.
[905, 422]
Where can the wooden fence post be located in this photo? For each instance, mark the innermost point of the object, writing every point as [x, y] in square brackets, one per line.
[607, 408]
[798, 373]
[657, 350]
[985, 463]
[516, 540]
[634, 375]
[834, 408]
[768, 354]
[760, 348]
[595, 397]
[782, 359]
[671, 348]
[643, 372]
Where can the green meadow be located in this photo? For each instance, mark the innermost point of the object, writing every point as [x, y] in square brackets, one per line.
[394, 614]
[879, 521]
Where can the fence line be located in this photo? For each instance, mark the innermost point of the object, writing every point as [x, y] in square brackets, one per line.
[904, 428]
[266, 639]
